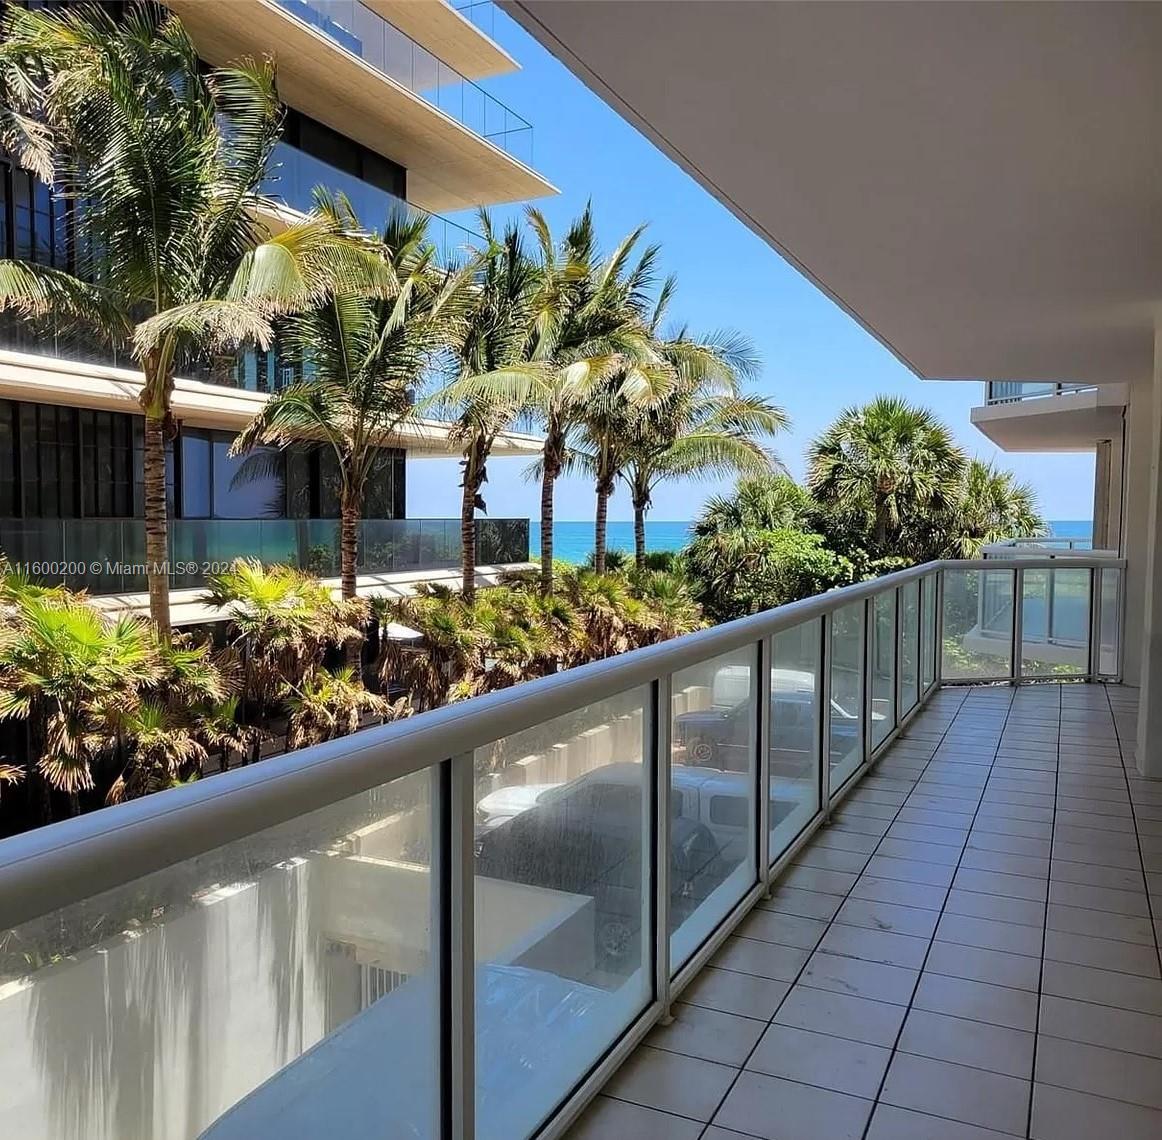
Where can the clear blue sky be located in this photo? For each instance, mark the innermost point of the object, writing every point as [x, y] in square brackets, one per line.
[816, 360]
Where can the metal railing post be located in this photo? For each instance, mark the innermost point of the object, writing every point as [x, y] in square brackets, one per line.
[764, 658]
[1018, 625]
[656, 729]
[865, 693]
[1094, 655]
[938, 630]
[823, 718]
[458, 943]
[897, 658]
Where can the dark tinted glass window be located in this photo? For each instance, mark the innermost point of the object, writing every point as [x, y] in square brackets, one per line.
[217, 485]
[8, 504]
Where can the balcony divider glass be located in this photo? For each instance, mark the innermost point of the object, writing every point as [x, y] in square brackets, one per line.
[471, 916]
[107, 556]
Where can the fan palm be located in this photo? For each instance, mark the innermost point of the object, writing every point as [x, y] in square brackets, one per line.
[72, 673]
[992, 506]
[282, 623]
[880, 465]
[365, 353]
[161, 162]
[328, 705]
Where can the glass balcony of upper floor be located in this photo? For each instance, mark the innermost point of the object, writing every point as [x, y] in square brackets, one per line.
[465, 924]
[107, 556]
[1008, 391]
[366, 34]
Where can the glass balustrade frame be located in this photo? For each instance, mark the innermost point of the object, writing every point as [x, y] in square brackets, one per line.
[53, 868]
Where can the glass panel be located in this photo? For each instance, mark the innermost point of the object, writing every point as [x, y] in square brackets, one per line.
[290, 972]
[1055, 623]
[845, 743]
[927, 631]
[796, 734]
[883, 663]
[978, 624]
[563, 934]
[909, 647]
[1110, 618]
[713, 781]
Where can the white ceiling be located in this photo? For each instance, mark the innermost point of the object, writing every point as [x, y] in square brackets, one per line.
[978, 184]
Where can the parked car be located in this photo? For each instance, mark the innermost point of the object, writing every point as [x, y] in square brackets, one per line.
[721, 736]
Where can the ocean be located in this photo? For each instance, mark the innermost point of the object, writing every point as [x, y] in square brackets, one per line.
[573, 541]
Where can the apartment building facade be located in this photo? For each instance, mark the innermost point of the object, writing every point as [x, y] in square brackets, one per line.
[383, 104]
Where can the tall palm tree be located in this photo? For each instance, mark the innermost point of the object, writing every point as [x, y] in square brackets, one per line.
[598, 348]
[161, 163]
[880, 465]
[492, 348]
[364, 352]
[705, 428]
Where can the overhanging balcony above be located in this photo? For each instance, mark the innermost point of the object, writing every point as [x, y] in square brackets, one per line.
[377, 86]
[1050, 417]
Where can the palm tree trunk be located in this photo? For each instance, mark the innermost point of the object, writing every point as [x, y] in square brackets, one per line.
[348, 561]
[639, 533]
[348, 543]
[548, 486]
[881, 534]
[468, 532]
[553, 454]
[156, 523]
[600, 527]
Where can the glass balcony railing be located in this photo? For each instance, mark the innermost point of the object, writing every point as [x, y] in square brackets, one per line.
[1009, 391]
[293, 178]
[479, 912]
[295, 175]
[366, 34]
[107, 556]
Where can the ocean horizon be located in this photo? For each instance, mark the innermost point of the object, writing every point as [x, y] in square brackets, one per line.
[573, 539]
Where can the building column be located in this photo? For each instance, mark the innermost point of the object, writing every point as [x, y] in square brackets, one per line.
[1143, 570]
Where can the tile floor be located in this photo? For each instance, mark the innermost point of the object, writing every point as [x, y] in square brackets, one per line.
[969, 950]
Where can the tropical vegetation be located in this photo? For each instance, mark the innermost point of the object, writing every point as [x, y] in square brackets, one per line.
[162, 163]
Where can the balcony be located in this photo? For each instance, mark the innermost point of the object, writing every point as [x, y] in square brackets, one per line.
[615, 883]
[358, 29]
[107, 556]
[344, 65]
[1007, 391]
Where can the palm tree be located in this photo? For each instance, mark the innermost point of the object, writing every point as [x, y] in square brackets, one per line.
[590, 324]
[162, 163]
[704, 429]
[282, 622]
[364, 354]
[879, 466]
[991, 506]
[492, 347]
[72, 673]
[329, 705]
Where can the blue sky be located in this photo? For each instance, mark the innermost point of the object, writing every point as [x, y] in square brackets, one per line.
[816, 359]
